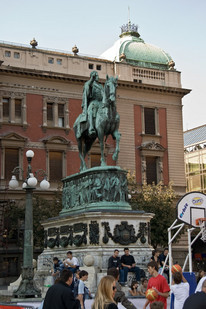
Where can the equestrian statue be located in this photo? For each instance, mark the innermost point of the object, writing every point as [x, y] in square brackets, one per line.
[99, 117]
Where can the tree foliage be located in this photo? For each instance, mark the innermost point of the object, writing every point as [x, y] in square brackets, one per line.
[42, 210]
[157, 199]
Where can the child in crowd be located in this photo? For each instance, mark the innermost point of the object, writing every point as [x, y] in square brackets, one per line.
[143, 287]
[180, 290]
[83, 276]
[134, 289]
[158, 283]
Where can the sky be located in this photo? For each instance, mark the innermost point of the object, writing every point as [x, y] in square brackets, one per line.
[178, 27]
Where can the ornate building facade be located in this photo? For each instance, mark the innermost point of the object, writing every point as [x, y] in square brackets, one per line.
[40, 98]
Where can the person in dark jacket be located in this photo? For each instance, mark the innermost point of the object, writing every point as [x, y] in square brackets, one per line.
[115, 262]
[60, 296]
[58, 266]
[197, 300]
[119, 296]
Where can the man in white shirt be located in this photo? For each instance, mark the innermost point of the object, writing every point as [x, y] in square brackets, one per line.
[180, 290]
[71, 262]
[199, 286]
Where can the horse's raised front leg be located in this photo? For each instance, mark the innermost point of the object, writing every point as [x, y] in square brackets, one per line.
[116, 135]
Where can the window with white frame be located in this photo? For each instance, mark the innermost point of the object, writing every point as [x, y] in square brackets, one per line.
[61, 115]
[12, 108]
[152, 158]
[55, 112]
[11, 149]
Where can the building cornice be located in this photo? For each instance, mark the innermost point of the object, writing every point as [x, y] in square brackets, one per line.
[81, 80]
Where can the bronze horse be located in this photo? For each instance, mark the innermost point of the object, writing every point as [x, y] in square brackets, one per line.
[106, 123]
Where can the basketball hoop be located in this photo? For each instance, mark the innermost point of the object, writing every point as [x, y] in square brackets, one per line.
[202, 224]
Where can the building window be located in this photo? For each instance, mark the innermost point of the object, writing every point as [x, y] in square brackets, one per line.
[55, 113]
[17, 109]
[11, 161]
[50, 117]
[149, 120]
[55, 166]
[7, 53]
[16, 55]
[95, 160]
[98, 67]
[59, 61]
[61, 115]
[13, 110]
[195, 166]
[151, 170]
[6, 109]
[91, 66]
[50, 60]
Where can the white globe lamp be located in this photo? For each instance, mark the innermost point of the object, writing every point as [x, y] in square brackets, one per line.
[44, 184]
[13, 183]
[32, 181]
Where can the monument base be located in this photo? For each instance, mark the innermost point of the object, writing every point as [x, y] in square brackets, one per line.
[98, 188]
[93, 236]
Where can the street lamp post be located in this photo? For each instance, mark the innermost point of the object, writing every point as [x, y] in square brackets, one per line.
[27, 287]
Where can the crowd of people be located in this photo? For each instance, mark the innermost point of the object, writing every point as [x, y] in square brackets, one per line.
[70, 292]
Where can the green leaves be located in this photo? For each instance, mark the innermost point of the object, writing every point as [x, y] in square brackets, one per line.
[42, 210]
[157, 199]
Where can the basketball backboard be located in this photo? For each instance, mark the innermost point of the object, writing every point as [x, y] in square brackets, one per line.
[190, 207]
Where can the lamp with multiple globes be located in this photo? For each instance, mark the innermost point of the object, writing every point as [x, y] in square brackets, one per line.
[27, 287]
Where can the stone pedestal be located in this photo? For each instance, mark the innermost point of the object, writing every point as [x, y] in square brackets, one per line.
[97, 234]
[96, 218]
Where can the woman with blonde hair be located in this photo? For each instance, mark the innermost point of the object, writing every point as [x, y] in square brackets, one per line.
[104, 298]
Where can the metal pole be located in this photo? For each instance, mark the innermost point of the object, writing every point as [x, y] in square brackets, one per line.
[27, 287]
[28, 232]
[170, 256]
[190, 250]
[186, 259]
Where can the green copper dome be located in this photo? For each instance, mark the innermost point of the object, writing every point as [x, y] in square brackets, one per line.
[130, 48]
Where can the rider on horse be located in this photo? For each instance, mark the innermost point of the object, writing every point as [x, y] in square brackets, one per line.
[92, 97]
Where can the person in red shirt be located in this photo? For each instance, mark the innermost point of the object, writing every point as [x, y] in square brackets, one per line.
[158, 283]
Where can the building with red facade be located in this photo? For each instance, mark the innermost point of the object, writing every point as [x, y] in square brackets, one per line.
[40, 98]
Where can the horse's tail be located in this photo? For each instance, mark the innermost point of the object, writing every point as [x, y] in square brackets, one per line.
[106, 138]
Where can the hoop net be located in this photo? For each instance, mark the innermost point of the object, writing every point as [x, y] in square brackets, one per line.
[202, 224]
